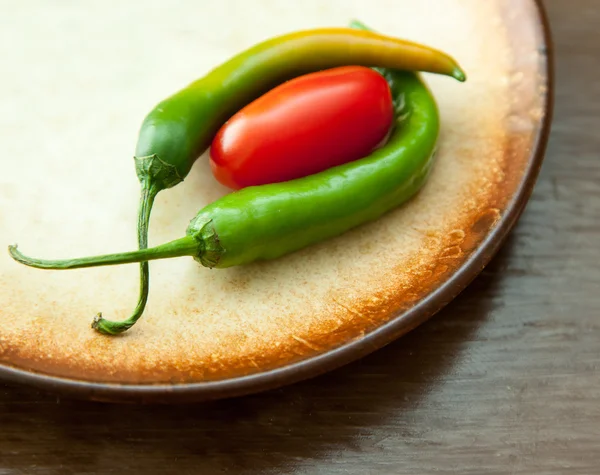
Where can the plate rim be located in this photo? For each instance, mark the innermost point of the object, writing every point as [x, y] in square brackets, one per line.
[401, 323]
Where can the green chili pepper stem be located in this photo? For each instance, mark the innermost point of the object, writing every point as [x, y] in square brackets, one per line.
[109, 327]
[185, 246]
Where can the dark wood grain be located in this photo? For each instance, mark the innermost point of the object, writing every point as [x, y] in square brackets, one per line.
[505, 380]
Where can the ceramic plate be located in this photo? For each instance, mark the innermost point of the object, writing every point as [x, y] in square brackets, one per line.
[82, 75]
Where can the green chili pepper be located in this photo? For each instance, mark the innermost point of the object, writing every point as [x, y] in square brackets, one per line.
[269, 221]
[179, 129]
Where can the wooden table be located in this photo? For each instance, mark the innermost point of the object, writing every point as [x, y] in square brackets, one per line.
[505, 380]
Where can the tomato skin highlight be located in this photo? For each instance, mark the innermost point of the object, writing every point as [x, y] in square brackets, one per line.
[304, 126]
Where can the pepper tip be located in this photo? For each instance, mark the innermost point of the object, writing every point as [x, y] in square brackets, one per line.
[459, 74]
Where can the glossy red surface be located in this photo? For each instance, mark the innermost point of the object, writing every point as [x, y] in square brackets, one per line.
[304, 126]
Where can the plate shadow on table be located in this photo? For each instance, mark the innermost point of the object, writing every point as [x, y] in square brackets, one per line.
[263, 433]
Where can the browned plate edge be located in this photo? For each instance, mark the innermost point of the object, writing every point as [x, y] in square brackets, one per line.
[319, 364]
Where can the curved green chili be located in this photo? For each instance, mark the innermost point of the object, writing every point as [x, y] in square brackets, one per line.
[269, 221]
[179, 129]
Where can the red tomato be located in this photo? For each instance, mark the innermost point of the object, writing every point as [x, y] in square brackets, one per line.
[304, 126]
